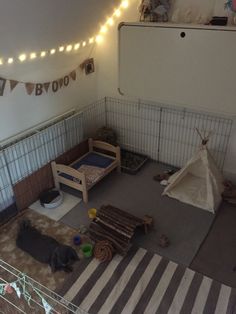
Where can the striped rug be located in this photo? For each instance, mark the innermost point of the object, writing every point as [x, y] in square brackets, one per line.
[144, 282]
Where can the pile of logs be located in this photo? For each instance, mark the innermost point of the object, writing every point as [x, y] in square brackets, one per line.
[116, 226]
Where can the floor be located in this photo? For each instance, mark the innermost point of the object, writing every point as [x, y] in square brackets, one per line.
[185, 225]
[200, 240]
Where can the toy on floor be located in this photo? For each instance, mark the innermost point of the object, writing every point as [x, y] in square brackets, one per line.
[164, 241]
[103, 251]
[116, 226]
[77, 240]
[87, 249]
[82, 229]
[92, 212]
[45, 249]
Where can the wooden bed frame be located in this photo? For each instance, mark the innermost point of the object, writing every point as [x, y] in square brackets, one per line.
[58, 169]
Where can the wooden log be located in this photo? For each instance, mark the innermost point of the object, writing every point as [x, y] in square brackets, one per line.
[100, 229]
[120, 213]
[127, 231]
[115, 233]
[117, 218]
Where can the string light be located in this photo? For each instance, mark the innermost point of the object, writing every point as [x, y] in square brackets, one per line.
[117, 13]
[124, 4]
[98, 38]
[69, 48]
[33, 55]
[91, 40]
[110, 21]
[103, 29]
[22, 57]
[76, 46]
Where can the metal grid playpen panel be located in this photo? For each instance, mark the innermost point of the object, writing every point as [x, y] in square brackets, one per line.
[6, 191]
[94, 117]
[33, 296]
[164, 133]
[179, 138]
[25, 156]
[137, 125]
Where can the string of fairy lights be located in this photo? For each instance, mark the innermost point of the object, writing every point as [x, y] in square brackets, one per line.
[98, 38]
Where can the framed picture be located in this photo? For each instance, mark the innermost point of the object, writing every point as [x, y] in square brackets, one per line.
[2, 85]
[89, 66]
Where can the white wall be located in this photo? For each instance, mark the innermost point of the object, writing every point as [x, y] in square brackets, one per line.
[32, 25]
[108, 59]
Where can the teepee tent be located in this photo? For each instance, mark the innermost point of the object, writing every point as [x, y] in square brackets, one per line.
[198, 183]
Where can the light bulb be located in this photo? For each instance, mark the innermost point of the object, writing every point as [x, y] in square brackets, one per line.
[52, 51]
[33, 55]
[117, 13]
[22, 57]
[69, 48]
[62, 48]
[84, 44]
[43, 54]
[10, 60]
[110, 21]
[91, 40]
[76, 46]
[103, 29]
[125, 4]
[1, 61]
[99, 39]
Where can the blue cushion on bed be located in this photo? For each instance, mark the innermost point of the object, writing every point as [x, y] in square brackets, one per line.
[93, 159]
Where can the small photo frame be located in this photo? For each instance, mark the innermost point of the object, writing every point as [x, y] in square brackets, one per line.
[89, 66]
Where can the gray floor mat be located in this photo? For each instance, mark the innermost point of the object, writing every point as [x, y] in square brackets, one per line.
[185, 225]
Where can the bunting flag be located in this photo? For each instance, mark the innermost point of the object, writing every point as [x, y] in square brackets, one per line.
[2, 85]
[29, 88]
[13, 84]
[61, 82]
[39, 88]
[73, 75]
[46, 86]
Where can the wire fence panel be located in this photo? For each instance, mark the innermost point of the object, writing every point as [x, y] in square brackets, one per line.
[164, 133]
[94, 117]
[6, 191]
[179, 138]
[26, 155]
[136, 124]
[31, 153]
[29, 296]
[74, 130]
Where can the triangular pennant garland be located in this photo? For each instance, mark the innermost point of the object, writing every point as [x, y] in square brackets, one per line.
[46, 86]
[2, 85]
[29, 88]
[73, 75]
[13, 84]
[61, 82]
[40, 88]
